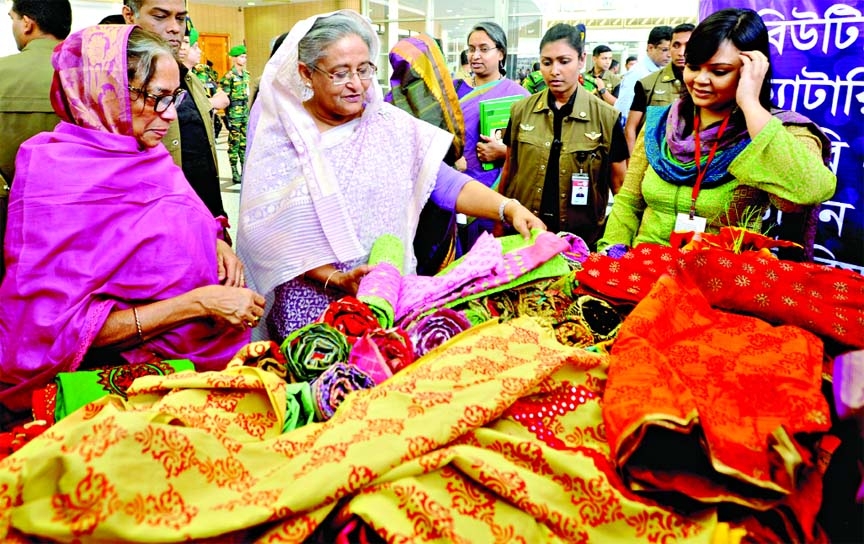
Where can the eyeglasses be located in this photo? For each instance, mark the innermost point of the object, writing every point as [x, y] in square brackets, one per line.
[160, 102]
[483, 49]
[365, 72]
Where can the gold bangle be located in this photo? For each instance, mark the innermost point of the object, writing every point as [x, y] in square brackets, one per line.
[138, 325]
[327, 281]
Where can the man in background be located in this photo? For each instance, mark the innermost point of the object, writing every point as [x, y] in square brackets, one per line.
[660, 88]
[658, 56]
[628, 64]
[236, 85]
[190, 56]
[190, 139]
[600, 81]
[25, 88]
[535, 82]
[464, 71]
[615, 67]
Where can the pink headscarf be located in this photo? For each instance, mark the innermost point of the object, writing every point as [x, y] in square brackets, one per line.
[90, 87]
[96, 224]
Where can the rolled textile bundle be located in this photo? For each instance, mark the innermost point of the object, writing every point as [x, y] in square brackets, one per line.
[350, 317]
[380, 288]
[578, 250]
[265, 355]
[395, 346]
[388, 249]
[334, 384]
[574, 332]
[366, 356]
[311, 349]
[429, 332]
[477, 311]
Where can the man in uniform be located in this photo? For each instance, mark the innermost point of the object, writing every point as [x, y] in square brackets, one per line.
[190, 56]
[25, 88]
[235, 83]
[660, 88]
[190, 138]
[534, 81]
[600, 81]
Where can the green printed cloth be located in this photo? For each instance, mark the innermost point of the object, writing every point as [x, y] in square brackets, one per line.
[77, 389]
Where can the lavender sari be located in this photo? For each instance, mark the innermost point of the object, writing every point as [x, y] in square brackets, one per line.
[96, 225]
[470, 100]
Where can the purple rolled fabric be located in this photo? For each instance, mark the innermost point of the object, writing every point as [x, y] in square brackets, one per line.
[578, 250]
[429, 332]
[334, 384]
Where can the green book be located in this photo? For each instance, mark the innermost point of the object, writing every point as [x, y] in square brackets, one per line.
[494, 116]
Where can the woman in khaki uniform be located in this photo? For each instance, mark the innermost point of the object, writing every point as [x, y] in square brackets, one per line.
[566, 148]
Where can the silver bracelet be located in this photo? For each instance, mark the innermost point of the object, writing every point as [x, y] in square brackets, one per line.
[504, 205]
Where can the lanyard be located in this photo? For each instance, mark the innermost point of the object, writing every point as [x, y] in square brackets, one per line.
[700, 170]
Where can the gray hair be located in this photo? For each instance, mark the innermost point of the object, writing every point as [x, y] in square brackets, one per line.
[328, 30]
[142, 51]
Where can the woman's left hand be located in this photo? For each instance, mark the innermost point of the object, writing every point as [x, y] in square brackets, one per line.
[754, 67]
[490, 150]
[229, 266]
[522, 219]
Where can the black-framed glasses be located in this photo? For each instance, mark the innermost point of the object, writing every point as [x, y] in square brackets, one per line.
[160, 102]
[365, 72]
[482, 49]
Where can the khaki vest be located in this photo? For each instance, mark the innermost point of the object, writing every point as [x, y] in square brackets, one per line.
[587, 140]
[198, 93]
[25, 103]
[661, 87]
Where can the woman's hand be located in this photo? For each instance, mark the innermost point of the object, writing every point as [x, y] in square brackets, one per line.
[235, 306]
[230, 268]
[754, 68]
[461, 164]
[348, 282]
[490, 150]
[522, 219]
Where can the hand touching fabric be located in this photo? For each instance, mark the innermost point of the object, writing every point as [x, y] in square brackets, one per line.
[230, 267]
[522, 219]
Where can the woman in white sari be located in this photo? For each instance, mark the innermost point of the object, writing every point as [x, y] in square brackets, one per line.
[332, 167]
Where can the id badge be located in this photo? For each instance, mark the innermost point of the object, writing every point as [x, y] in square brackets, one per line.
[579, 184]
[683, 223]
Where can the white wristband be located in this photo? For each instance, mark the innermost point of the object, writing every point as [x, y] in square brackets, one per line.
[504, 205]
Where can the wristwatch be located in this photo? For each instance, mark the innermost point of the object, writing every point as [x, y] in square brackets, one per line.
[602, 91]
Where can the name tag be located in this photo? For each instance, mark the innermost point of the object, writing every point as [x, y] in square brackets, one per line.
[579, 193]
[683, 223]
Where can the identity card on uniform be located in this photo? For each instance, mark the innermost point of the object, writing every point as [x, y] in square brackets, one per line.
[580, 182]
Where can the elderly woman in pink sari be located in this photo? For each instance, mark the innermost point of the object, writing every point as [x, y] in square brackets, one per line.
[332, 167]
[111, 256]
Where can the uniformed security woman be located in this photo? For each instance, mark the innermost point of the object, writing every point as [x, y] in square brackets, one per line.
[566, 148]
